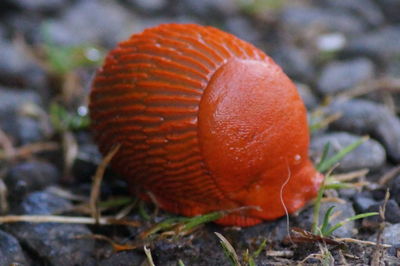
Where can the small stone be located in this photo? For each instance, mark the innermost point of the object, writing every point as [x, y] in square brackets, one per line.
[11, 121]
[89, 18]
[369, 154]
[123, 258]
[300, 19]
[27, 177]
[392, 213]
[339, 76]
[149, 6]
[11, 252]
[363, 202]
[382, 44]
[295, 62]
[242, 28]
[29, 129]
[39, 5]
[56, 243]
[366, 117]
[391, 9]
[395, 188]
[17, 69]
[309, 99]
[390, 235]
[366, 9]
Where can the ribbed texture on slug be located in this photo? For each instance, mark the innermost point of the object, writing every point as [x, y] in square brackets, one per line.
[147, 98]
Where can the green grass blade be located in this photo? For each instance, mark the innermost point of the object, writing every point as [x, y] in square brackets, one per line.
[352, 218]
[329, 162]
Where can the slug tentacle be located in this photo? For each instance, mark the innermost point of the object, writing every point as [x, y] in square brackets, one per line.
[205, 121]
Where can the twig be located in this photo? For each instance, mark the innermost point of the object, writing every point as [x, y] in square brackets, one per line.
[65, 219]
[95, 192]
[389, 176]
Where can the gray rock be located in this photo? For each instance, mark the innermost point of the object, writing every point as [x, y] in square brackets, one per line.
[29, 130]
[12, 122]
[91, 22]
[39, 5]
[309, 99]
[343, 210]
[363, 202]
[123, 258]
[392, 213]
[243, 29]
[300, 19]
[27, 177]
[366, 117]
[366, 9]
[295, 62]
[339, 76]
[58, 244]
[11, 252]
[382, 44]
[390, 235]
[369, 155]
[207, 8]
[394, 187]
[391, 9]
[18, 69]
[149, 6]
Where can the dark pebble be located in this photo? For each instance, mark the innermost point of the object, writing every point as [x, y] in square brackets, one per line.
[298, 20]
[309, 99]
[18, 69]
[86, 162]
[29, 130]
[207, 8]
[394, 187]
[243, 29]
[382, 44]
[392, 213]
[344, 210]
[365, 117]
[123, 258]
[391, 9]
[368, 10]
[148, 6]
[30, 176]
[295, 62]
[339, 76]
[11, 252]
[369, 154]
[39, 5]
[89, 18]
[56, 243]
[362, 202]
[394, 250]
[390, 235]
[20, 128]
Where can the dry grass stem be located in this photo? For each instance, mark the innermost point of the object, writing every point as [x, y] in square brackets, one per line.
[351, 175]
[95, 192]
[117, 247]
[66, 219]
[70, 148]
[362, 242]
[280, 253]
[386, 84]
[385, 179]
[8, 147]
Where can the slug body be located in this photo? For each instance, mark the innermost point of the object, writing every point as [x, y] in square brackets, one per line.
[206, 122]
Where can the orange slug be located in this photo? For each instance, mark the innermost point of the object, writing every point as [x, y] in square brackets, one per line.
[206, 122]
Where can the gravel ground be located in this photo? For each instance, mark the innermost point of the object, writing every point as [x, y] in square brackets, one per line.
[343, 55]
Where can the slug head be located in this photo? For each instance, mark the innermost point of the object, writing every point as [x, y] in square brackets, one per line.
[254, 138]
